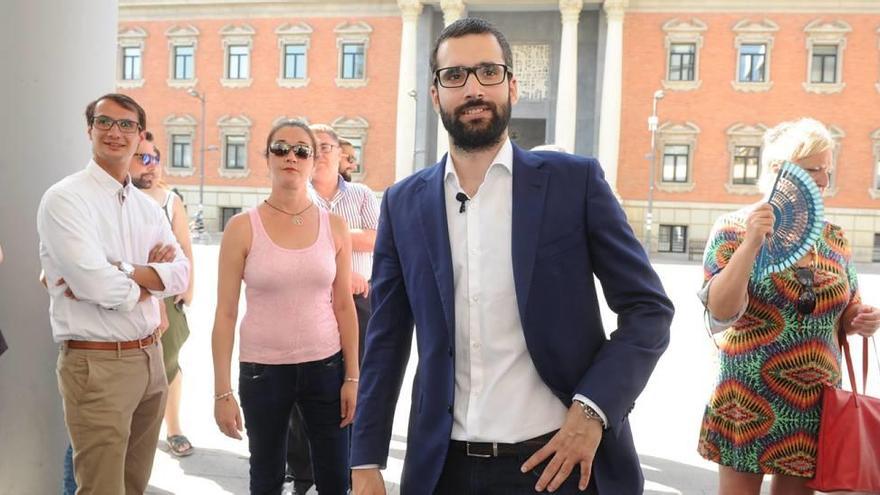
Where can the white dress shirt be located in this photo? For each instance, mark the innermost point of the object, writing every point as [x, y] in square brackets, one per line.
[87, 221]
[499, 396]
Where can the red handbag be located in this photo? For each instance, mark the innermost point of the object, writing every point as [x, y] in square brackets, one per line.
[848, 456]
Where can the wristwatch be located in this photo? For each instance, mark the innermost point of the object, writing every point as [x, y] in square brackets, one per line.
[591, 413]
[126, 268]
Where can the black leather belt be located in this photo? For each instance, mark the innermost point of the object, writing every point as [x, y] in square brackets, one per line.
[489, 450]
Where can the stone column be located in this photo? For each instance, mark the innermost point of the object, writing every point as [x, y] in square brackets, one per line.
[453, 10]
[566, 96]
[612, 78]
[406, 88]
[55, 66]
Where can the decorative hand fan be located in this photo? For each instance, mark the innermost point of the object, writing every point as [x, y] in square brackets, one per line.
[800, 213]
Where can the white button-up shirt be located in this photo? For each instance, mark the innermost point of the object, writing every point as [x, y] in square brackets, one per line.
[87, 221]
[499, 396]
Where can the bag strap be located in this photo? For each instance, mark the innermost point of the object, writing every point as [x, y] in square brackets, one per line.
[844, 344]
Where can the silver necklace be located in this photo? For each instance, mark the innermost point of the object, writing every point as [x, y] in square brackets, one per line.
[297, 218]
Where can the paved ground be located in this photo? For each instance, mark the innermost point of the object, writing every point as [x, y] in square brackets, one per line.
[665, 421]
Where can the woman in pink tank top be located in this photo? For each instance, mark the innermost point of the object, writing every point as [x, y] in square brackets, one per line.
[298, 338]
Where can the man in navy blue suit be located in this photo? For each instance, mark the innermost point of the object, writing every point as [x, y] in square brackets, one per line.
[491, 255]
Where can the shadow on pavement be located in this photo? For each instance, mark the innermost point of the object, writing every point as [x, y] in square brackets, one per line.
[675, 477]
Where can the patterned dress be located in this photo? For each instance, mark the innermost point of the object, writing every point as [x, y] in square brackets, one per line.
[763, 416]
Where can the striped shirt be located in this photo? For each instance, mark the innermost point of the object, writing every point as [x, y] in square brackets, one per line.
[357, 204]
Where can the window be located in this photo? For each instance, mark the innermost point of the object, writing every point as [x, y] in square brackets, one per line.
[684, 40]
[682, 57]
[826, 43]
[824, 68]
[352, 42]
[672, 238]
[294, 61]
[238, 62]
[130, 57]
[131, 63]
[354, 130]
[182, 45]
[183, 62]
[675, 163]
[875, 254]
[226, 214]
[746, 165]
[352, 61]
[236, 157]
[181, 151]
[751, 63]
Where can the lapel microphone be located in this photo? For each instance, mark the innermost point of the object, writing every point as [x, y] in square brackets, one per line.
[463, 199]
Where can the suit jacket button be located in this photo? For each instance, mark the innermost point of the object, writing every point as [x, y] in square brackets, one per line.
[450, 351]
[449, 409]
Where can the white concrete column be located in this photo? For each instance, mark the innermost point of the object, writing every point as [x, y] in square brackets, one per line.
[58, 57]
[566, 95]
[612, 78]
[453, 10]
[406, 87]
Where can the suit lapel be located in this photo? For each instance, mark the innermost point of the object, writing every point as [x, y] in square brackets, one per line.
[529, 194]
[435, 230]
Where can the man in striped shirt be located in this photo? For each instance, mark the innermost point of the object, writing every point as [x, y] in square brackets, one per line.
[358, 205]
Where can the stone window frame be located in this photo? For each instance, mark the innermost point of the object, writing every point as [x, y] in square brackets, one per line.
[874, 189]
[754, 33]
[826, 33]
[237, 35]
[837, 134]
[678, 31]
[234, 125]
[743, 135]
[130, 37]
[299, 33]
[350, 33]
[354, 128]
[676, 134]
[177, 125]
[187, 35]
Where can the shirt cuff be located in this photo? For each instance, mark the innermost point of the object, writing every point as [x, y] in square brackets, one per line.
[595, 407]
[716, 325]
[366, 466]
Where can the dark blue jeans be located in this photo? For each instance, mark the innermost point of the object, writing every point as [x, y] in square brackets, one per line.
[498, 476]
[68, 483]
[268, 395]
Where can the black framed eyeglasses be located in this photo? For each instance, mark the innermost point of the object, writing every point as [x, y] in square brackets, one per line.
[349, 159]
[806, 302]
[280, 148]
[126, 126]
[147, 159]
[486, 74]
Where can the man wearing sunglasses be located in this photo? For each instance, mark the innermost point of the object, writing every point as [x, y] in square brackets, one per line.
[491, 254]
[110, 255]
[347, 159]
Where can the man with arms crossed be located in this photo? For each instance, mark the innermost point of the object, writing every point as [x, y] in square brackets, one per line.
[491, 253]
[107, 246]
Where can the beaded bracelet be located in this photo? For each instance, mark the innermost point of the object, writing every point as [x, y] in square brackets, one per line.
[223, 395]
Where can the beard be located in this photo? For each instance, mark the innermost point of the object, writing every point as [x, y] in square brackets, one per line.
[346, 175]
[476, 135]
[141, 182]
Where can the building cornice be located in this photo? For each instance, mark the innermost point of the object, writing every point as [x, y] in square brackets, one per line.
[757, 6]
[148, 10]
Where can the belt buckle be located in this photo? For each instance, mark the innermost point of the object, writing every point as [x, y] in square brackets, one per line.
[146, 341]
[483, 456]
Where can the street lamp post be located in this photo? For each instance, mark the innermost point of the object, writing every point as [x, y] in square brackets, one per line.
[200, 221]
[652, 126]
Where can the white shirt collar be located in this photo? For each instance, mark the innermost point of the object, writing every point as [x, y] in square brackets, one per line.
[107, 181]
[504, 157]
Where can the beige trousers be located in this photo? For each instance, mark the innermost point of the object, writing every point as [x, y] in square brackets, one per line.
[113, 406]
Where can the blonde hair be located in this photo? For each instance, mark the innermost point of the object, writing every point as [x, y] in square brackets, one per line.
[791, 141]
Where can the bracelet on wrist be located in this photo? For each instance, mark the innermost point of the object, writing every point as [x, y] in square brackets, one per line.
[351, 379]
[223, 395]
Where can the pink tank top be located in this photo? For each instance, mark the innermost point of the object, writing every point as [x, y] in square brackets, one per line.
[289, 317]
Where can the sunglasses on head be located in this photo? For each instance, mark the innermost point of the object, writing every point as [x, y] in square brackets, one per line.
[147, 159]
[280, 148]
[806, 302]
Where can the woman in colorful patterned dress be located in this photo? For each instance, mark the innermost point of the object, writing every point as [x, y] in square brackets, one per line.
[779, 344]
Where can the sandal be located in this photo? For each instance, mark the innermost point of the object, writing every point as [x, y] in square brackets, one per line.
[179, 445]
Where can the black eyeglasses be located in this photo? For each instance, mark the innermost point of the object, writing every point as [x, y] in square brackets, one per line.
[806, 302]
[486, 74]
[280, 148]
[349, 159]
[147, 159]
[125, 126]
